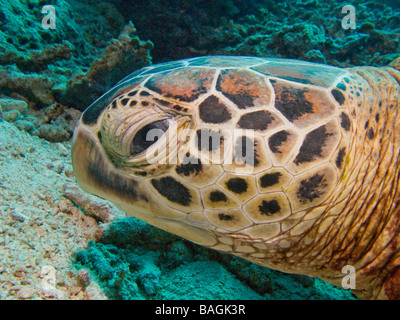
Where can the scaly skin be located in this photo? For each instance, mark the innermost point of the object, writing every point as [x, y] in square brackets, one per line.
[361, 225]
[321, 193]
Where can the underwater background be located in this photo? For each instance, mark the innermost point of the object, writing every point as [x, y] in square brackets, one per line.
[58, 242]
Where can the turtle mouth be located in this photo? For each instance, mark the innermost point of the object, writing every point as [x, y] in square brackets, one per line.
[96, 175]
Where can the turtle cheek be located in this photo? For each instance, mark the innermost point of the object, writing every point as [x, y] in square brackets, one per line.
[95, 173]
[83, 157]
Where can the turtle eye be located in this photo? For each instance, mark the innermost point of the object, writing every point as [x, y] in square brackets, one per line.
[148, 135]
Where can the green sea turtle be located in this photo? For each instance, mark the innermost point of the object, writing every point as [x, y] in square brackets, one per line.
[289, 164]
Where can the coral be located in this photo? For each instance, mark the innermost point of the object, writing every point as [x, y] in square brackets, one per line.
[35, 87]
[25, 125]
[109, 269]
[121, 57]
[163, 266]
[94, 207]
[148, 275]
[289, 31]
[53, 133]
[12, 115]
[130, 231]
[12, 104]
[70, 65]
[215, 283]
[38, 60]
[308, 30]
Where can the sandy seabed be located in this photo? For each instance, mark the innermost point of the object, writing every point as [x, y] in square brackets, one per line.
[40, 229]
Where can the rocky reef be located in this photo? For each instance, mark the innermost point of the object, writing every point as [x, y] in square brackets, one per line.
[95, 44]
[58, 71]
[304, 29]
[48, 76]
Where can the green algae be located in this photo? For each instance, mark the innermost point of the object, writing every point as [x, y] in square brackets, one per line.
[137, 261]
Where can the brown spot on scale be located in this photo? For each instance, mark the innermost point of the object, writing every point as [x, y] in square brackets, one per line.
[277, 140]
[244, 88]
[312, 187]
[313, 145]
[273, 180]
[124, 101]
[292, 103]
[231, 220]
[345, 121]
[259, 121]
[240, 187]
[132, 93]
[189, 166]
[144, 93]
[318, 146]
[303, 106]
[270, 179]
[212, 110]
[237, 185]
[185, 84]
[217, 196]
[338, 95]
[371, 134]
[282, 146]
[173, 190]
[226, 217]
[340, 157]
[269, 207]
[212, 197]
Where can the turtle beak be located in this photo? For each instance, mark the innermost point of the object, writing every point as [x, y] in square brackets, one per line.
[96, 174]
[83, 152]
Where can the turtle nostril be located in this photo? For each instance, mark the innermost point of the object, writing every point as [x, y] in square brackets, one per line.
[148, 135]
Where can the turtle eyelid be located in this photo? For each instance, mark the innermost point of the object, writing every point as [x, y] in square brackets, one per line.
[148, 135]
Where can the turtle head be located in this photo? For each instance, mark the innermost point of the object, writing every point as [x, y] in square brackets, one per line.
[127, 148]
[396, 64]
[310, 172]
[212, 151]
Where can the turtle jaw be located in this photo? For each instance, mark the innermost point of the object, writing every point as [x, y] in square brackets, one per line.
[96, 174]
[82, 151]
